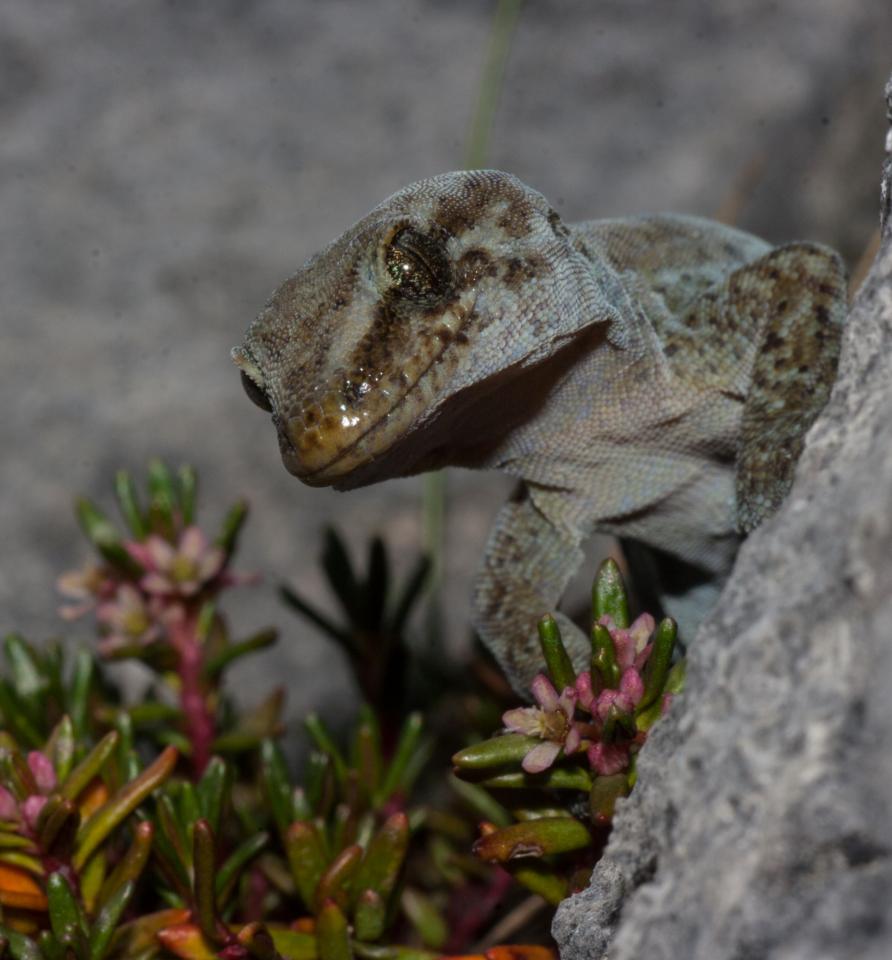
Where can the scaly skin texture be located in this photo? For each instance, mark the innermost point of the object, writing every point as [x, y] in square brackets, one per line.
[652, 378]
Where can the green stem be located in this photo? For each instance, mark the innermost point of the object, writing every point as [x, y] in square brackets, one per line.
[433, 495]
[433, 521]
[503, 24]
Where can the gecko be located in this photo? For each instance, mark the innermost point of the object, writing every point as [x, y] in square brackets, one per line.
[650, 377]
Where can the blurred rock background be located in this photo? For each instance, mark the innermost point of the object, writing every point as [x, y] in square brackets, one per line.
[164, 165]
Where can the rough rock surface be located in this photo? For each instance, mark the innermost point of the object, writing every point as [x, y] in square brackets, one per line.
[760, 825]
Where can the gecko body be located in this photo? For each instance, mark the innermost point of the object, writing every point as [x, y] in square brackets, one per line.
[651, 378]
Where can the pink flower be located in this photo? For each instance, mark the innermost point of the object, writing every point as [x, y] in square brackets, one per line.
[129, 619]
[552, 721]
[586, 696]
[625, 699]
[181, 569]
[608, 758]
[28, 810]
[31, 810]
[632, 649]
[42, 770]
[631, 645]
[9, 809]
[82, 589]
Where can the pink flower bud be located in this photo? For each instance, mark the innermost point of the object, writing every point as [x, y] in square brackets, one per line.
[8, 807]
[608, 758]
[31, 810]
[42, 769]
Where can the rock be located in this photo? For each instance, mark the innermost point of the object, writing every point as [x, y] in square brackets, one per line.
[760, 824]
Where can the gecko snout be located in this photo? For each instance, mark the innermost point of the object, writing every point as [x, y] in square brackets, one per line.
[322, 431]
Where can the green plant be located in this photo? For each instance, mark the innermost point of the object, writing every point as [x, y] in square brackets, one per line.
[373, 632]
[578, 741]
[111, 846]
[64, 820]
[155, 593]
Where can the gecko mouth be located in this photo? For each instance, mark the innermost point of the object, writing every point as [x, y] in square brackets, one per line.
[365, 411]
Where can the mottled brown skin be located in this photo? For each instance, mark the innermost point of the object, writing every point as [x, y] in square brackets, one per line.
[651, 378]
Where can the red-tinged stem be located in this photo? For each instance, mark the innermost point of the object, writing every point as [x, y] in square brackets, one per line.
[472, 909]
[53, 864]
[258, 888]
[199, 720]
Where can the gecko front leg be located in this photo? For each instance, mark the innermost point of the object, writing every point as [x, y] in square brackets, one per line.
[528, 562]
[801, 291]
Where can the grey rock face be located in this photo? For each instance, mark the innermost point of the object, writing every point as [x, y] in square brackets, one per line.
[760, 825]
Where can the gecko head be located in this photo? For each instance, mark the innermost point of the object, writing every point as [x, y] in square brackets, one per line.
[449, 282]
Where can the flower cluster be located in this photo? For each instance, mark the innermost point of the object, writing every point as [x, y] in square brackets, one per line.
[596, 714]
[136, 603]
[580, 737]
[154, 591]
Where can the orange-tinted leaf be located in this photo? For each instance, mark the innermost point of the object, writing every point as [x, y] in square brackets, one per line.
[185, 940]
[121, 805]
[520, 952]
[335, 882]
[255, 935]
[19, 889]
[136, 937]
[533, 838]
[22, 921]
[93, 798]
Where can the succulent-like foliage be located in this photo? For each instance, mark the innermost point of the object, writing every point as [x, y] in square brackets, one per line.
[36, 691]
[335, 874]
[113, 847]
[373, 632]
[154, 591]
[70, 855]
[345, 833]
[581, 737]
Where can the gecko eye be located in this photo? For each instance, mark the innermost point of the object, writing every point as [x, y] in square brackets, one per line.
[255, 394]
[417, 265]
